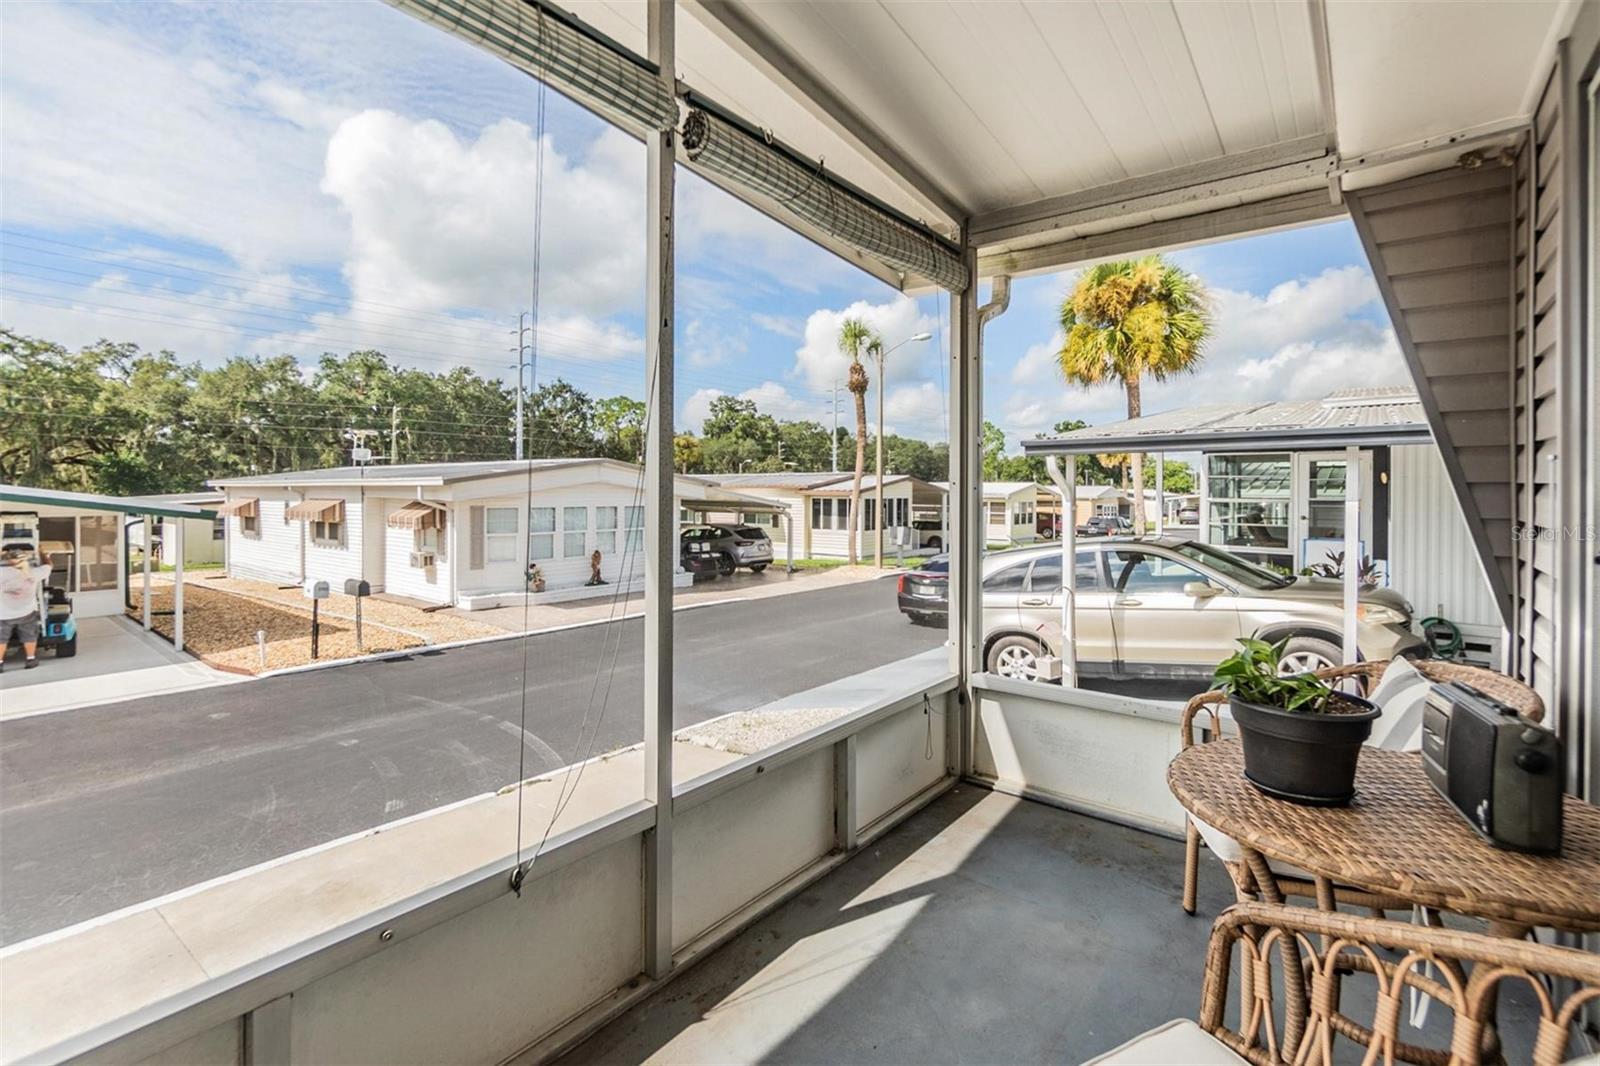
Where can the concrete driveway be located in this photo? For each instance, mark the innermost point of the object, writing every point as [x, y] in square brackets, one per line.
[116, 660]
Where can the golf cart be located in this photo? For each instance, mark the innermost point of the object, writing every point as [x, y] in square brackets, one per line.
[58, 630]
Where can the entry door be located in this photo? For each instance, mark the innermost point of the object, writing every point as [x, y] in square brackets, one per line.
[1162, 630]
[1318, 498]
[1041, 610]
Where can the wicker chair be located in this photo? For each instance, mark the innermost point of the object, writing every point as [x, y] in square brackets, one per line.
[1506, 689]
[1317, 951]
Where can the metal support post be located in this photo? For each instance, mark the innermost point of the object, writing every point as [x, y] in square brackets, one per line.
[177, 584]
[1352, 550]
[267, 1032]
[788, 542]
[844, 794]
[877, 480]
[149, 539]
[661, 518]
[1161, 492]
[966, 506]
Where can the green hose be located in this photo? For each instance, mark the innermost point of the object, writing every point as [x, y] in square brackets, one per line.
[1443, 636]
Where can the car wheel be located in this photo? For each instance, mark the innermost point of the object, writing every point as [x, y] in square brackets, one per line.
[67, 648]
[1048, 533]
[1306, 655]
[935, 544]
[756, 568]
[1016, 657]
[726, 566]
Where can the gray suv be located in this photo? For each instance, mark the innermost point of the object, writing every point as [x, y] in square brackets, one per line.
[733, 546]
[1170, 607]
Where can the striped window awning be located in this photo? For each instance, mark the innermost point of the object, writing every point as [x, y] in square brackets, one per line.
[315, 511]
[249, 507]
[417, 515]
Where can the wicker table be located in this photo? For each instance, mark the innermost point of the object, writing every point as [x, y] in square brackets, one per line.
[1399, 838]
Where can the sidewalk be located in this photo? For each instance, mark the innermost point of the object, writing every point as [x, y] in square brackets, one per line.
[741, 586]
[116, 660]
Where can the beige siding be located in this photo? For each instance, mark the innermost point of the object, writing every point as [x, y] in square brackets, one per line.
[1440, 246]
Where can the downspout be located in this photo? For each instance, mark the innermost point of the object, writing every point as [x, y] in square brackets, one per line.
[999, 301]
[1069, 570]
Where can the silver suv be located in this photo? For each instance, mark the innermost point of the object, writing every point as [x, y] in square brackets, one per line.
[733, 546]
[1169, 607]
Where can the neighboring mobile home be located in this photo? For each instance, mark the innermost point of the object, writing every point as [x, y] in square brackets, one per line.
[818, 506]
[1284, 506]
[449, 533]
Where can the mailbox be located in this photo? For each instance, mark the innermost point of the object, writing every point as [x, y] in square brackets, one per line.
[315, 590]
[354, 586]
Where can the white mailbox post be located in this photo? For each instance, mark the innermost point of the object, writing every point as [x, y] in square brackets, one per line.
[315, 591]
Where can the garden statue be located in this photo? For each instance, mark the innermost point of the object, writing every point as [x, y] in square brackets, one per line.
[535, 578]
[594, 569]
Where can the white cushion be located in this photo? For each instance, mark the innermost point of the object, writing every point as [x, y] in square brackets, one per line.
[1400, 695]
[1178, 1041]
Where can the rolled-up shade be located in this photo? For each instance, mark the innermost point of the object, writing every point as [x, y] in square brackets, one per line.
[597, 74]
[819, 200]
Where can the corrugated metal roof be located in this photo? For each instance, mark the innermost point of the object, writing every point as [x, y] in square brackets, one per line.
[402, 472]
[793, 480]
[1390, 415]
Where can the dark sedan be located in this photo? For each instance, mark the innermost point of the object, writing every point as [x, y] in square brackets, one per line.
[924, 594]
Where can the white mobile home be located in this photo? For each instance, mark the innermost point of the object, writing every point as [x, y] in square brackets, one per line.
[818, 508]
[447, 533]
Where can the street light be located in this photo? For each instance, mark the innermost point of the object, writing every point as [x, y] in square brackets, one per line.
[877, 488]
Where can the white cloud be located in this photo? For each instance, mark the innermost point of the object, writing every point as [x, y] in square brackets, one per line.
[707, 344]
[1039, 361]
[782, 325]
[441, 222]
[771, 398]
[103, 130]
[819, 362]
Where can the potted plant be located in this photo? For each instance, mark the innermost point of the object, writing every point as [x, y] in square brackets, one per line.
[1301, 736]
[535, 578]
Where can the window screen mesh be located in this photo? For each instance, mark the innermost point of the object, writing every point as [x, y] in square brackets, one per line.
[608, 82]
[812, 196]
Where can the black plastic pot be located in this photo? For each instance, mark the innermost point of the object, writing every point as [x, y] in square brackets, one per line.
[1303, 756]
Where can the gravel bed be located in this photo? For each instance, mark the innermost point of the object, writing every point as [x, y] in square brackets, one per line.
[748, 732]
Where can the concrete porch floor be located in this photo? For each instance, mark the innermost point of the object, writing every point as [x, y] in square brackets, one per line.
[984, 929]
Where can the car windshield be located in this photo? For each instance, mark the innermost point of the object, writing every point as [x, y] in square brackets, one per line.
[1233, 567]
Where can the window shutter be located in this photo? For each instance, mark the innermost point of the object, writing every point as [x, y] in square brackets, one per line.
[475, 538]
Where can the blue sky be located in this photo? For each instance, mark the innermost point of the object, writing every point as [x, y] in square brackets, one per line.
[264, 178]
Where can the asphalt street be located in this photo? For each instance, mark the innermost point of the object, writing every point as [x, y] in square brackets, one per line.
[103, 807]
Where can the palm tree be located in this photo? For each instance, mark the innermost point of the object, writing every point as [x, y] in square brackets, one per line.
[854, 335]
[1127, 319]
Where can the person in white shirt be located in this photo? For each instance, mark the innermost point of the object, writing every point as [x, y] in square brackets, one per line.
[20, 579]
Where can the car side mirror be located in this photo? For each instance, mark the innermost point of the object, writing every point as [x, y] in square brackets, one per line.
[1200, 590]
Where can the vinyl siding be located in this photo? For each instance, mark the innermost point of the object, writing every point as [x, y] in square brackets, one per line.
[562, 570]
[272, 553]
[403, 579]
[1432, 561]
[1440, 246]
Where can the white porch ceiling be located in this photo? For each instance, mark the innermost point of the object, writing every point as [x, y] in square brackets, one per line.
[1031, 116]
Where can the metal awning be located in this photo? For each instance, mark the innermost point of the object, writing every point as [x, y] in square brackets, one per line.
[248, 507]
[1362, 418]
[315, 511]
[90, 501]
[417, 515]
[722, 500]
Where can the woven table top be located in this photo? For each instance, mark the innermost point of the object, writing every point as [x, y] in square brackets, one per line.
[1399, 837]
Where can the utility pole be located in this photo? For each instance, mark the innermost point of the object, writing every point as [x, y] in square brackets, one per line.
[524, 327]
[881, 352]
[835, 425]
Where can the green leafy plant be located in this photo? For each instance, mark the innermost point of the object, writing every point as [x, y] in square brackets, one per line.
[1251, 674]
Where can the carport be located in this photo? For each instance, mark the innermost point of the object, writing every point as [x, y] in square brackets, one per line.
[1218, 430]
[85, 526]
[721, 500]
